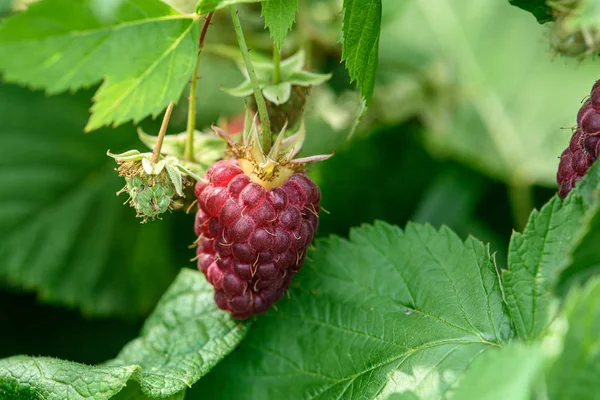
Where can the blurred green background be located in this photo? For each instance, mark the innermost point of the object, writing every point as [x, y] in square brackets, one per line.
[470, 114]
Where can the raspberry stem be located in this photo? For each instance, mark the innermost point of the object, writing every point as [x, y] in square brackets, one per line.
[191, 122]
[161, 134]
[276, 65]
[265, 135]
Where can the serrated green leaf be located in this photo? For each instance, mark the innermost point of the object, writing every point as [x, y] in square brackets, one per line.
[181, 341]
[48, 378]
[479, 106]
[535, 258]
[556, 241]
[500, 374]
[143, 52]
[575, 373]
[585, 259]
[64, 232]
[539, 8]
[206, 6]
[279, 17]
[385, 312]
[360, 42]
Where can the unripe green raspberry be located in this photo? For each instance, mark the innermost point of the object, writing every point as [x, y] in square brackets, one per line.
[152, 197]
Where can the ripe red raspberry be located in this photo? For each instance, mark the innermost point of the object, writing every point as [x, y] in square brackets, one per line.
[252, 240]
[584, 147]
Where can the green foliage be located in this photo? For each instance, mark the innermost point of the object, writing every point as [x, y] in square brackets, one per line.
[360, 42]
[575, 373]
[534, 261]
[47, 378]
[141, 48]
[586, 258]
[206, 6]
[552, 242]
[539, 8]
[279, 17]
[181, 341]
[478, 105]
[64, 232]
[405, 314]
[388, 310]
[499, 374]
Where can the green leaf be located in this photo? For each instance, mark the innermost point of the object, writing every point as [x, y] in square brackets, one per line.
[585, 260]
[142, 49]
[387, 311]
[360, 42]
[575, 373]
[48, 378]
[133, 392]
[535, 258]
[206, 6]
[477, 104]
[500, 374]
[279, 17]
[557, 240]
[539, 8]
[65, 232]
[181, 341]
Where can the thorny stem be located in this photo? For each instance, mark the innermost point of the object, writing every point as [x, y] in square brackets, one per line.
[276, 65]
[265, 136]
[191, 122]
[161, 133]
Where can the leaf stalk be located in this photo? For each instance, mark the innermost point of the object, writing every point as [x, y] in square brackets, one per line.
[265, 135]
